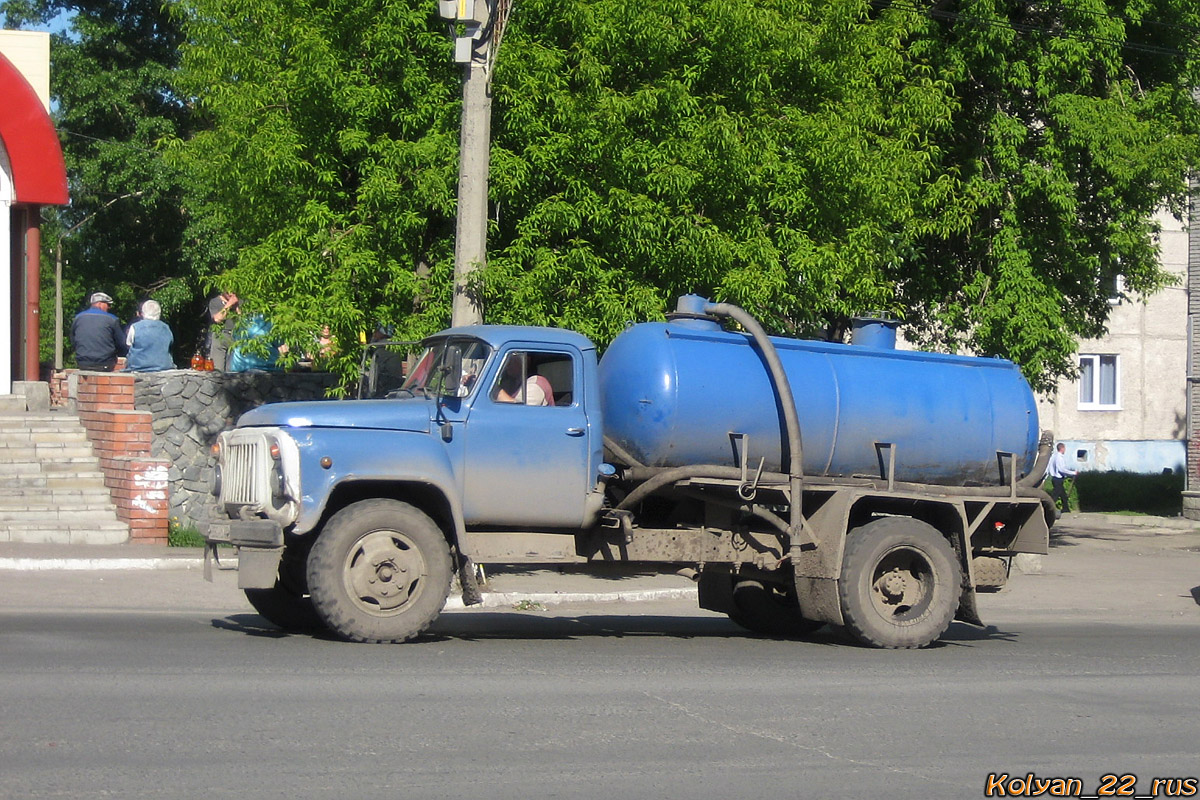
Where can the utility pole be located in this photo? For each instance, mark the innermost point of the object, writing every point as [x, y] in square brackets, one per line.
[476, 29]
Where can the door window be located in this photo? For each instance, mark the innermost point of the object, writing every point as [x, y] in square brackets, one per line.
[534, 379]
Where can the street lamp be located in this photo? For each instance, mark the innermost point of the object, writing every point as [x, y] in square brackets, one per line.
[58, 294]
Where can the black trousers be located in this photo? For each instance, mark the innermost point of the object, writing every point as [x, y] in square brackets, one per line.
[1059, 492]
[92, 366]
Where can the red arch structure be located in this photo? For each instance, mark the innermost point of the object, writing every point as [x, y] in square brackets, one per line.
[34, 154]
[39, 178]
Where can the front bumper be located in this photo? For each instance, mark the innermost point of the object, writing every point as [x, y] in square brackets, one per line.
[260, 548]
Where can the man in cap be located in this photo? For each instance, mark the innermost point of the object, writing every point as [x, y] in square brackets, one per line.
[96, 335]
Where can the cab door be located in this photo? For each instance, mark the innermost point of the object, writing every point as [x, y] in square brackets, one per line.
[528, 442]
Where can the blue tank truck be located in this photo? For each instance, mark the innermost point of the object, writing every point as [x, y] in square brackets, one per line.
[803, 482]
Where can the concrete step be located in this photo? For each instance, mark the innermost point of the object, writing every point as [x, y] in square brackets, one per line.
[37, 420]
[59, 466]
[55, 499]
[80, 479]
[65, 533]
[29, 438]
[51, 488]
[69, 464]
[79, 515]
[11, 403]
[39, 452]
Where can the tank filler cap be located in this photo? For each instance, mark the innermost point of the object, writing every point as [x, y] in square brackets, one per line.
[874, 330]
[689, 313]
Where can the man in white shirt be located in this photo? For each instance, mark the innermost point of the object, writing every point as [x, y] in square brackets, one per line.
[1058, 472]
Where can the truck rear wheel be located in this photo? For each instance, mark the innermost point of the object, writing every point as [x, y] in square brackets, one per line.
[287, 603]
[379, 572]
[769, 609]
[900, 583]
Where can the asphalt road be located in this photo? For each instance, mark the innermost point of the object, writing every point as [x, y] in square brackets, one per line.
[657, 701]
[155, 684]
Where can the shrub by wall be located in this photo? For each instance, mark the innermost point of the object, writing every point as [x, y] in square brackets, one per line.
[1161, 494]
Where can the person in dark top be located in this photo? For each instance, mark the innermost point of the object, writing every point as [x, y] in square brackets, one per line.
[97, 336]
[149, 341]
[221, 310]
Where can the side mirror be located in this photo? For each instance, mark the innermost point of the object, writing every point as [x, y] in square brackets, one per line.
[451, 371]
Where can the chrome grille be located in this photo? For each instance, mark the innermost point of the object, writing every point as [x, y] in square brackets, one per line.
[242, 479]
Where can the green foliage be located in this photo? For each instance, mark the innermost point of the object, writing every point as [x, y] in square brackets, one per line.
[111, 81]
[183, 536]
[1077, 123]
[749, 151]
[1130, 491]
[327, 163]
[982, 170]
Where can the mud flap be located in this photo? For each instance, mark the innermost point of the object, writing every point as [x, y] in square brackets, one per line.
[714, 589]
[968, 610]
[258, 567]
[471, 596]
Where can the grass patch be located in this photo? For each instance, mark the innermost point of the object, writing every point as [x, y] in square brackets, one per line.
[1126, 493]
[183, 536]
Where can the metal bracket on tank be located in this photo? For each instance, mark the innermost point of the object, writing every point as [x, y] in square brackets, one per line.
[887, 470]
[748, 487]
[1009, 476]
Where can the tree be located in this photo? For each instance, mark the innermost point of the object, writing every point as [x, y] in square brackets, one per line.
[114, 106]
[980, 168]
[1077, 122]
[328, 160]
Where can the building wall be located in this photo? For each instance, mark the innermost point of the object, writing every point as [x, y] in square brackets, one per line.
[29, 52]
[1147, 430]
[1191, 496]
[6, 301]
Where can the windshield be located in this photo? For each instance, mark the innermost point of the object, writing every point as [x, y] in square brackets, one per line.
[429, 375]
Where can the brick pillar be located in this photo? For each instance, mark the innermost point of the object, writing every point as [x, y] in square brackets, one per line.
[121, 437]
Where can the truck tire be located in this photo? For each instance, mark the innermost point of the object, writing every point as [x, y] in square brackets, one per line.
[769, 609]
[379, 572]
[900, 583]
[287, 603]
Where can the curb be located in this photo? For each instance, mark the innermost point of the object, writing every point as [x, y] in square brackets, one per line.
[510, 599]
[82, 564]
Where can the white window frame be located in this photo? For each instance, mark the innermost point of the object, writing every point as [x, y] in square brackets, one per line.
[1097, 362]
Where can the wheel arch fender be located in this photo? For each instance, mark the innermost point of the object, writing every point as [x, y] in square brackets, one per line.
[357, 464]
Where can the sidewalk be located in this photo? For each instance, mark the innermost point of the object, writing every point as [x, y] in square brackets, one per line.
[513, 585]
[505, 586]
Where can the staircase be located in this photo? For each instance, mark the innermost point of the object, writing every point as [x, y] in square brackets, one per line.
[51, 487]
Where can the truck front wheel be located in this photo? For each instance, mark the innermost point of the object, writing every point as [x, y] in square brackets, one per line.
[379, 572]
[900, 583]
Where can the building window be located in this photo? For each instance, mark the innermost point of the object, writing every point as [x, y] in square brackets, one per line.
[1098, 383]
[1116, 290]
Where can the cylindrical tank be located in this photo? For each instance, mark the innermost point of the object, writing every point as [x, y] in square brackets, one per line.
[674, 393]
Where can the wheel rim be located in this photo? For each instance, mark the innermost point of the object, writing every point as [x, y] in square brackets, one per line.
[902, 585]
[384, 572]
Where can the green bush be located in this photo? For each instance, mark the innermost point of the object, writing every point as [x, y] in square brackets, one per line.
[1126, 491]
[180, 536]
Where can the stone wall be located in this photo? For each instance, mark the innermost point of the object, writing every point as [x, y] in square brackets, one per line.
[154, 432]
[190, 408]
